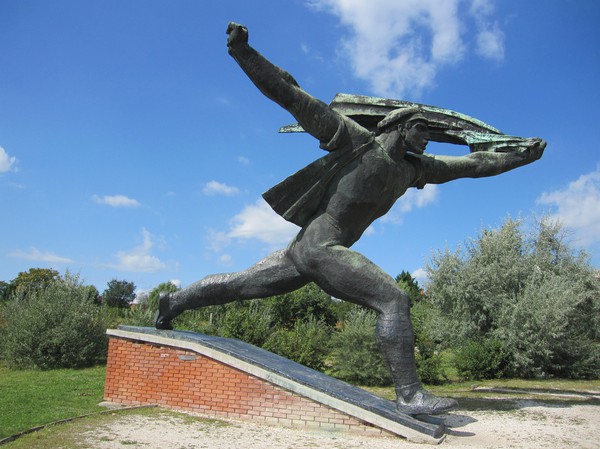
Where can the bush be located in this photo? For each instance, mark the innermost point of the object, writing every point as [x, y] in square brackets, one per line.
[246, 320]
[354, 355]
[482, 359]
[527, 287]
[552, 329]
[57, 327]
[306, 343]
[300, 305]
[427, 357]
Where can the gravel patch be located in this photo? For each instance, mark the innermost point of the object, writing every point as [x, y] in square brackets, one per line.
[533, 425]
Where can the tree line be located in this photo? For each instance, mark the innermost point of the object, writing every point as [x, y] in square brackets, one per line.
[516, 301]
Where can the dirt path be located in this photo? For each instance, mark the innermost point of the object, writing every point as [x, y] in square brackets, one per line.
[532, 425]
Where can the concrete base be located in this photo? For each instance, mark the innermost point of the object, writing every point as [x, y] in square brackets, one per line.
[228, 377]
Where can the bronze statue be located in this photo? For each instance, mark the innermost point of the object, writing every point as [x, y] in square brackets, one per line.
[373, 159]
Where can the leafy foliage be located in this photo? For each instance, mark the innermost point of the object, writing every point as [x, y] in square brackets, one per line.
[527, 288]
[28, 281]
[355, 356]
[55, 327]
[306, 343]
[410, 285]
[482, 359]
[5, 291]
[301, 305]
[119, 294]
[427, 356]
[247, 321]
[144, 313]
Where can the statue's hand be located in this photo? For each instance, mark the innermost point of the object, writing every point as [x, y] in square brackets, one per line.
[536, 149]
[238, 34]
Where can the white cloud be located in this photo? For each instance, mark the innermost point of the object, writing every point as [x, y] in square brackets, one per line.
[490, 43]
[420, 275]
[399, 46]
[490, 38]
[243, 160]
[6, 161]
[217, 188]
[413, 198]
[418, 197]
[255, 222]
[578, 207]
[225, 259]
[139, 259]
[259, 221]
[116, 200]
[36, 255]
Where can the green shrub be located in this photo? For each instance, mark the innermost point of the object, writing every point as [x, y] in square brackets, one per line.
[528, 287]
[553, 329]
[203, 320]
[246, 320]
[306, 343]
[427, 356]
[354, 355]
[55, 327]
[300, 305]
[482, 359]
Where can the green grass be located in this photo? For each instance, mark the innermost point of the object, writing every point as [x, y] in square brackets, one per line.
[30, 398]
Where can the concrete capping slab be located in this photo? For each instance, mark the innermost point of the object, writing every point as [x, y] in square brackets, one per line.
[293, 377]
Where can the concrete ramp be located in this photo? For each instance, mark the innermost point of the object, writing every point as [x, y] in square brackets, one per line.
[228, 377]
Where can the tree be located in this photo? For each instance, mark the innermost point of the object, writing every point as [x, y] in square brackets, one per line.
[55, 327]
[164, 287]
[5, 291]
[119, 294]
[409, 285]
[92, 294]
[34, 279]
[527, 288]
[144, 314]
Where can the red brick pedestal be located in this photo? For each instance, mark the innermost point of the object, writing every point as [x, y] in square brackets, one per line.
[143, 372]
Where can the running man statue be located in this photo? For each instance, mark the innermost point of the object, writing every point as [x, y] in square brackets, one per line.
[334, 200]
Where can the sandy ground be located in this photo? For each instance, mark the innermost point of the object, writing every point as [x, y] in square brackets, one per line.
[531, 426]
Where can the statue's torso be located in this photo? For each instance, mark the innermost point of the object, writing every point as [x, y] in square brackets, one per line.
[366, 189]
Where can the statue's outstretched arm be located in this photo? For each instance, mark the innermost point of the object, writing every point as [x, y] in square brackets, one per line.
[482, 163]
[278, 85]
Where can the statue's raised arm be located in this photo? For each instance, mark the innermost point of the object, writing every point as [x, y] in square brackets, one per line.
[314, 115]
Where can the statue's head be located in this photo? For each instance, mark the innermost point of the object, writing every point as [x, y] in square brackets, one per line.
[412, 125]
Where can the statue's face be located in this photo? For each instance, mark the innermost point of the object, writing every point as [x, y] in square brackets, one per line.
[416, 136]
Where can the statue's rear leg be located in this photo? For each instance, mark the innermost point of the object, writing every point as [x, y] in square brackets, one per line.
[274, 275]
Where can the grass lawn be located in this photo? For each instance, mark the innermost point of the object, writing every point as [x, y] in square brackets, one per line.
[31, 398]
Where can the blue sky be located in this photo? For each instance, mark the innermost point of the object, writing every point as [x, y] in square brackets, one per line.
[133, 147]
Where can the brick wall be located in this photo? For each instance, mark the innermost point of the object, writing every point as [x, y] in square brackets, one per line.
[141, 373]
